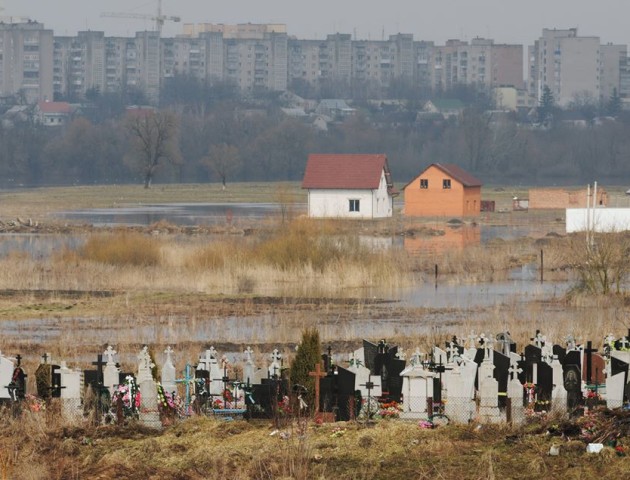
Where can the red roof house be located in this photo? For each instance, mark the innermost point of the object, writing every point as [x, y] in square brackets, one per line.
[443, 190]
[351, 186]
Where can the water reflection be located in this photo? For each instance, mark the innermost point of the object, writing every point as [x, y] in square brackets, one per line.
[38, 246]
[440, 240]
[178, 213]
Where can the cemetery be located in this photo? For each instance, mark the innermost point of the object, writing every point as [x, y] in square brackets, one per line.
[171, 351]
[485, 383]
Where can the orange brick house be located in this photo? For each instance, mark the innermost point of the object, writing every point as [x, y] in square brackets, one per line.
[443, 190]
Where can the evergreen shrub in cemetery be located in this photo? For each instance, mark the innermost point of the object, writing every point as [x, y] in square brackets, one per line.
[307, 356]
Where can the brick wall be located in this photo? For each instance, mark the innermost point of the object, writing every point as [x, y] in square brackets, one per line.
[559, 198]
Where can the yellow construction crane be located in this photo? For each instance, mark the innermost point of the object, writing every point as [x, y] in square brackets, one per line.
[159, 18]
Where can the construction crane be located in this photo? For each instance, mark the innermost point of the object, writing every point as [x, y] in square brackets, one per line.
[159, 18]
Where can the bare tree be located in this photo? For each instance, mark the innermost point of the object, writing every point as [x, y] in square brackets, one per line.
[153, 139]
[223, 160]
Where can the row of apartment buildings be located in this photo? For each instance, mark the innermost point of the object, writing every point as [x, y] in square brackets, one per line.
[39, 66]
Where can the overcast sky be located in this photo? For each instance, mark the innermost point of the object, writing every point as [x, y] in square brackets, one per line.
[506, 21]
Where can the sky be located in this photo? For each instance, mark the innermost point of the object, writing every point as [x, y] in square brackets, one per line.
[505, 21]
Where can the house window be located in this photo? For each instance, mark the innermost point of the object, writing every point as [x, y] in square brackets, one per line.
[446, 183]
[354, 205]
[424, 183]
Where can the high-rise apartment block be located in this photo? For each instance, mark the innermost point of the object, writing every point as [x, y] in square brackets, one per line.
[575, 68]
[26, 61]
[262, 57]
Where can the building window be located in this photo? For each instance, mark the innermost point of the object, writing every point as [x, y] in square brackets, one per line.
[424, 183]
[354, 205]
[446, 183]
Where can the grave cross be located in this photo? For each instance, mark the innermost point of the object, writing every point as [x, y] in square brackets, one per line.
[570, 340]
[623, 343]
[401, 355]
[453, 352]
[187, 381]
[514, 370]
[109, 353]
[318, 374]
[18, 359]
[249, 353]
[589, 360]
[46, 357]
[99, 364]
[226, 380]
[369, 386]
[539, 340]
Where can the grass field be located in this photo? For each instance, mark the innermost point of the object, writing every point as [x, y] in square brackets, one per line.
[191, 291]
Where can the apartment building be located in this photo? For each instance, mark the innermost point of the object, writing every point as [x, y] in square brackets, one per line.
[253, 56]
[26, 61]
[613, 58]
[568, 64]
[480, 63]
[78, 65]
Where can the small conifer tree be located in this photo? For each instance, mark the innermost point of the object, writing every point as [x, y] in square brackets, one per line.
[308, 355]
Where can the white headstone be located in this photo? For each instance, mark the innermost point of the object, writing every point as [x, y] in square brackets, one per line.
[559, 393]
[111, 371]
[416, 390]
[6, 376]
[515, 390]
[249, 369]
[489, 394]
[169, 374]
[149, 413]
[459, 390]
[71, 392]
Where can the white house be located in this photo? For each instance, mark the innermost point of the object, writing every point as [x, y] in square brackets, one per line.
[349, 186]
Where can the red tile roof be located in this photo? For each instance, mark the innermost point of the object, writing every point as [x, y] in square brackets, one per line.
[354, 171]
[55, 107]
[459, 174]
[455, 172]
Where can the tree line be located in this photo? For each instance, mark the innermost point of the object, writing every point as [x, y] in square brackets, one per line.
[213, 136]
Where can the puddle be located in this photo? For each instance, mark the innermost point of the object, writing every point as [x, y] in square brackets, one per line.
[184, 214]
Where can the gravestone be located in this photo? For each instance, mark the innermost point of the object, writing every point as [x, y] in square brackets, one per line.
[249, 368]
[459, 390]
[357, 366]
[71, 392]
[573, 385]
[207, 370]
[17, 387]
[488, 391]
[275, 367]
[6, 377]
[169, 373]
[337, 393]
[507, 345]
[47, 379]
[417, 391]
[617, 381]
[515, 392]
[111, 372]
[149, 413]
[559, 393]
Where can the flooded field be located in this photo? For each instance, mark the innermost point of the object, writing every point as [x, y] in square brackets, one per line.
[274, 314]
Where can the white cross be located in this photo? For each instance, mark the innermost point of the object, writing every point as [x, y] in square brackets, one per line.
[416, 358]
[224, 361]
[248, 355]
[540, 340]
[401, 354]
[453, 351]
[514, 370]
[145, 359]
[489, 346]
[276, 356]
[169, 352]
[623, 343]
[570, 342]
[109, 354]
[207, 360]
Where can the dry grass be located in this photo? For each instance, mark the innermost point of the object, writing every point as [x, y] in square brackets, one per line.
[203, 448]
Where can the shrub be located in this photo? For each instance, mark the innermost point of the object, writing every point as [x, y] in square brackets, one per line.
[122, 249]
[307, 356]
